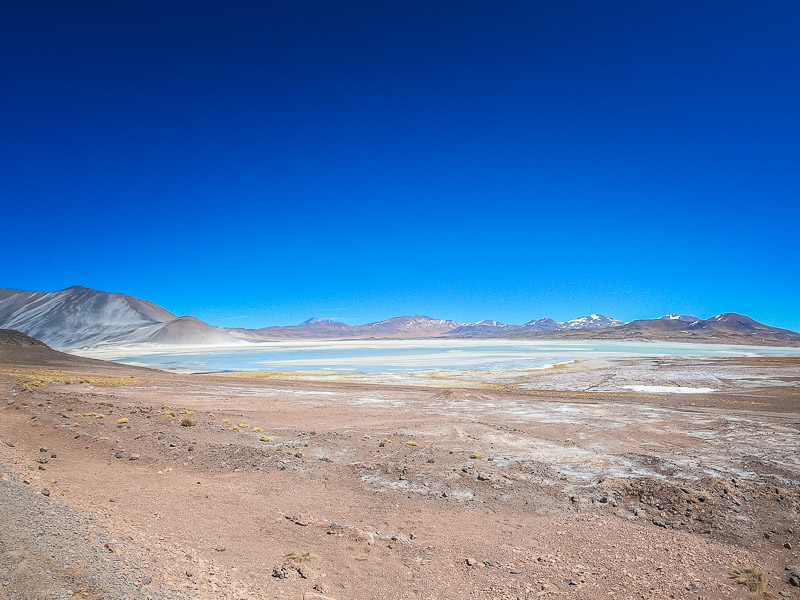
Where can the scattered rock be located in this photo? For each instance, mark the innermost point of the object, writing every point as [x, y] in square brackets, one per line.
[289, 570]
[5, 477]
[483, 476]
[794, 575]
[45, 492]
[134, 457]
[109, 546]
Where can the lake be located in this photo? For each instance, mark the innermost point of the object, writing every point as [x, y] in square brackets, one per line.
[402, 356]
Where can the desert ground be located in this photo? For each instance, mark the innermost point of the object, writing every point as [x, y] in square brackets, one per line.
[122, 482]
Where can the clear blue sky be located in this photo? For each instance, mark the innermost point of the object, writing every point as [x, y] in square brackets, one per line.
[256, 163]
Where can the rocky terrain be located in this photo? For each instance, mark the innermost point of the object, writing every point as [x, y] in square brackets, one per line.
[118, 482]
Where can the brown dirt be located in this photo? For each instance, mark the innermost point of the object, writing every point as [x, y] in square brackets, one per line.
[584, 496]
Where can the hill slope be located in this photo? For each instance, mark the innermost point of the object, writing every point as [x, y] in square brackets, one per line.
[76, 316]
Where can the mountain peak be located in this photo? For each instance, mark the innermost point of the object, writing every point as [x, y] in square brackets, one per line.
[679, 317]
[316, 321]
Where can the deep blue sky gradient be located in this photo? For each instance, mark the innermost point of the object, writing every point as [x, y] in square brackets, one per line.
[360, 160]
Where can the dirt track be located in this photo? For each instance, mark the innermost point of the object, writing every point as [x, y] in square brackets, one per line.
[506, 494]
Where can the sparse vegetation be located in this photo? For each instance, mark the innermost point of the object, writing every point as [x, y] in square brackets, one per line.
[265, 438]
[39, 377]
[411, 443]
[188, 423]
[476, 456]
[226, 421]
[123, 421]
[751, 577]
[304, 557]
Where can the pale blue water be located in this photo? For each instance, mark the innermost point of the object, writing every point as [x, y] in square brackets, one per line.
[398, 356]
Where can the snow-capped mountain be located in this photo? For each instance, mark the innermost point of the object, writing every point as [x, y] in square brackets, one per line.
[677, 317]
[413, 325]
[315, 321]
[78, 317]
[540, 325]
[590, 322]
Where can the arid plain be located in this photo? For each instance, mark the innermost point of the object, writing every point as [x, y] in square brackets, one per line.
[123, 482]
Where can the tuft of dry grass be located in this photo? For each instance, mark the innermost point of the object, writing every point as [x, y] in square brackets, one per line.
[303, 557]
[188, 423]
[226, 421]
[411, 443]
[750, 576]
[476, 456]
[367, 436]
[265, 438]
[123, 421]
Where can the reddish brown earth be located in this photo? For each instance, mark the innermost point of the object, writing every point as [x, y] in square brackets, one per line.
[567, 495]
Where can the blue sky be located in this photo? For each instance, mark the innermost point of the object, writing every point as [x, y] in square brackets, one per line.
[257, 163]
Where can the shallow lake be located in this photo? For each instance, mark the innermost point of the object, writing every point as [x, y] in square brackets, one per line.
[400, 356]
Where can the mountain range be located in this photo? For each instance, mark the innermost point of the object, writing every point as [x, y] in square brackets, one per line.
[80, 317]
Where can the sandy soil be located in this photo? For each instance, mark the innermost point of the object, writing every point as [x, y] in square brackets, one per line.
[555, 486]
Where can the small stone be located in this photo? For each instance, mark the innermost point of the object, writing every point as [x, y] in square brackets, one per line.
[109, 546]
[483, 476]
[794, 575]
[120, 454]
[471, 562]
[659, 523]
[5, 477]
[787, 545]
[365, 536]
[45, 492]
[134, 457]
